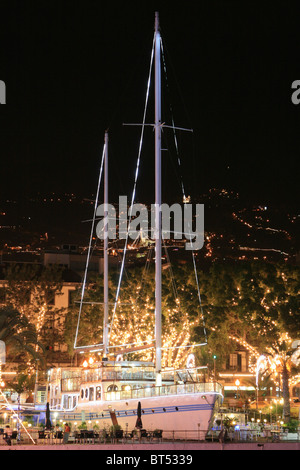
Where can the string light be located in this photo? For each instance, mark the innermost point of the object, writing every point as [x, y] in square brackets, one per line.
[272, 363]
[2, 383]
[136, 324]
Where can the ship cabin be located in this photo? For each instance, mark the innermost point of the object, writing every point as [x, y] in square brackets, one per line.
[107, 381]
[99, 382]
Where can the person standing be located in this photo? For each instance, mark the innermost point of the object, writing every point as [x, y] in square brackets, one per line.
[66, 433]
[8, 434]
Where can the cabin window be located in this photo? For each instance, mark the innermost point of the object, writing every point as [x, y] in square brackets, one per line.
[112, 388]
[70, 401]
[86, 393]
[82, 393]
[91, 395]
[98, 393]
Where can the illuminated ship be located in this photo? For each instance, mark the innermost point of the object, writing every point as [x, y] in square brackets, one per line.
[110, 391]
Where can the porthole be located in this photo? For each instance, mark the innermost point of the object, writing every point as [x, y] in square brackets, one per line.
[82, 393]
[126, 388]
[86, 392]
[98, 392]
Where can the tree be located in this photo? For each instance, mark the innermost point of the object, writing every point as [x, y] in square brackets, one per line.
[277, 363]
[22, 383]
[282, 355]
[253, 301]
[247, 303]
[133, 321]
[31, 290]
[19, 336]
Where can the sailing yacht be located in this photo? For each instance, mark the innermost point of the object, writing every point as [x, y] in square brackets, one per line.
[110, 391]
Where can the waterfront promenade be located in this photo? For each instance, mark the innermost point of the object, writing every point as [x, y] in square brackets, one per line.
[251, 439]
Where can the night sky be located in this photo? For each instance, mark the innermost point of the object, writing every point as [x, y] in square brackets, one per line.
[73, 69]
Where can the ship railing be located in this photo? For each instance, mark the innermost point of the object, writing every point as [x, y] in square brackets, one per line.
[60, 407]
[103, 374]
[163, 390]
[73, 381]
[71, 384]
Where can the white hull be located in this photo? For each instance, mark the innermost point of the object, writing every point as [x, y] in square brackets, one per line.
[179, 415]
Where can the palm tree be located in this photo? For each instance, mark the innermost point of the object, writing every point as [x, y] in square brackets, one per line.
[279, 359]
[282, 355]
[265, 384]
[23, 383]
[19, 335]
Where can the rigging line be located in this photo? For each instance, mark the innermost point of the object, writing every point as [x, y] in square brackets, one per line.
[16, 416]
[184, 196]
[166, 347]
[176, 296]
[82, 277]
[151, 346]
[199, 296]
[145, 270]
[179, 90]
[135, 184]
[197, 282]
[132, 344]
[175, 292]
[114, 242]
[90, 247]
[139, 343]
[186, 346]
[172, 115]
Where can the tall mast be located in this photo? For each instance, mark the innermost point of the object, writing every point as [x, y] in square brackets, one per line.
[158, 227]
[105, 248]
